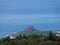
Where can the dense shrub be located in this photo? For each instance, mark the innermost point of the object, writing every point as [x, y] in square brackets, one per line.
[30, 40]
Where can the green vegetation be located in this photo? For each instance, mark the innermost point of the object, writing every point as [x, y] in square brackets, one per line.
[32, 40]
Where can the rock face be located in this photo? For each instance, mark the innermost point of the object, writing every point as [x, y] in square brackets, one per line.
[29, 29]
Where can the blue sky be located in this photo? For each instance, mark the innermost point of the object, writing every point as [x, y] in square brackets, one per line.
[16, 15]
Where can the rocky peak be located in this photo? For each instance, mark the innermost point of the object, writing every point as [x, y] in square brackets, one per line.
[29, 29]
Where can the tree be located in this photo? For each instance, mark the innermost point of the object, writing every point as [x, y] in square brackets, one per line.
[24, 36]
[19, 37]
[51, 36]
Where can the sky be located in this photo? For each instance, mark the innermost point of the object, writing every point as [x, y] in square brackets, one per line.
[16, 15]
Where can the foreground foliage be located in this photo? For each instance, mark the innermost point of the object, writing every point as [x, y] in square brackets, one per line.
[31, 40]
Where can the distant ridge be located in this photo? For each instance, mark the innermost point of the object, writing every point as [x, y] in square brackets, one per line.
[30, 31]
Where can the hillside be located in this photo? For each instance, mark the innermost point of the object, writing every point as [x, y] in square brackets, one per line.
[30, 30]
